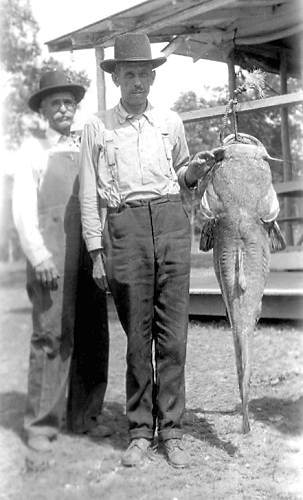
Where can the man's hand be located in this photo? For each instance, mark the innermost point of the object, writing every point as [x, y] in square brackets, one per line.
[47, 274]
[99, 274]
[201, 165]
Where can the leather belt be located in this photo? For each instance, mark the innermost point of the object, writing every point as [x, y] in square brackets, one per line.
[144, 202]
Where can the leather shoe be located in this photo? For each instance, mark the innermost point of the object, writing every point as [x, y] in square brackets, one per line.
[39, 443]
[135, 452]
[176, 455]
[100, 430]
[93, 427]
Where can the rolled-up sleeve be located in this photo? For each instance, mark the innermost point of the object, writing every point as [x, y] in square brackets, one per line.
[89, 198]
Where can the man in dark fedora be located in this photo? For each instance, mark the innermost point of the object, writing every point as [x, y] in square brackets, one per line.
[134, 158]
[69, 311]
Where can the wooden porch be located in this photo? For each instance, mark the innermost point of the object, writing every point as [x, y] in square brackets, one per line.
[283, 295]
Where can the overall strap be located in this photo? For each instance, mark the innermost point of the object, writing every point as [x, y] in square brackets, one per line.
[110, 149]
[167, 145]
[108, 136]
[110, 153]
[161, 124]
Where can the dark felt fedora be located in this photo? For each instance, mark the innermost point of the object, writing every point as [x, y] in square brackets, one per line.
[131, 47]
[54, 81]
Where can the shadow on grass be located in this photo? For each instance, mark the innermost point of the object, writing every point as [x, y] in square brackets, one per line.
[20, 310]
[12, 406]
[12, 279]
[210, 321]
[113, 416]
[285, 415]
[199, 428]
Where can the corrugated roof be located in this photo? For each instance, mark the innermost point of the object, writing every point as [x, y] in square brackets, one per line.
[254, 30]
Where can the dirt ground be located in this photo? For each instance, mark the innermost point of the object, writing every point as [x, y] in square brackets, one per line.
[266, 464]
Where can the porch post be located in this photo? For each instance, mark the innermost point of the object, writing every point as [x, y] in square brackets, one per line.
[101, 90]
[286, 154]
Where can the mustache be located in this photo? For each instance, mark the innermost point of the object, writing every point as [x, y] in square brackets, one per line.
[62, 116]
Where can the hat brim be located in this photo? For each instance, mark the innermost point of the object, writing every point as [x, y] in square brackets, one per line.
[110, 64]
[34, 101]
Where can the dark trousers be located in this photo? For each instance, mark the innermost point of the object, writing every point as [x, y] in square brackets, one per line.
[73, 315]
[89, 366]
[68, 353]
[147, 257]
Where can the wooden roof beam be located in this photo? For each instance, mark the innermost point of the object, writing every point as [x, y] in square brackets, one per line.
[259, 3]
[241, 10]
[276, 35]
[204, 37]
[148, 6]
[188, 13]
[200, 46]
[264, 50]
[110, 25]
[180, 14]
[270, 20]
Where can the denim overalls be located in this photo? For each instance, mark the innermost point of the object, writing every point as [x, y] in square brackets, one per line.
[58, 325]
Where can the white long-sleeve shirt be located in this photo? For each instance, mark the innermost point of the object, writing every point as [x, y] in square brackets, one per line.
[125, 158]
[32, 163]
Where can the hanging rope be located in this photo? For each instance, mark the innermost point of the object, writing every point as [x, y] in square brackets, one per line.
[254, 80]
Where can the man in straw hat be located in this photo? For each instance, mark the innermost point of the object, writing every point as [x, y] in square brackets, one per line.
[134, 158]
[47, 216]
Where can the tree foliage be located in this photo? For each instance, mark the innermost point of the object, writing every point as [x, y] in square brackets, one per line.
[264, 125]
[19, 35]
[21, 59]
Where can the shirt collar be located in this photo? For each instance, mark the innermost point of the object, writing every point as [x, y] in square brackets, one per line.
[124, 115]
[53, 136]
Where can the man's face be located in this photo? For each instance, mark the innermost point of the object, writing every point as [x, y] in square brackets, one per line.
[134, 80]
[59, 110]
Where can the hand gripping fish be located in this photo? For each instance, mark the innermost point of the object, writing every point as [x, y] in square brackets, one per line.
[241, 206]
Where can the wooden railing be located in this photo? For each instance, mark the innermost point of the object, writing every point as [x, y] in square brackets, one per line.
[290, 188]
[243, 107]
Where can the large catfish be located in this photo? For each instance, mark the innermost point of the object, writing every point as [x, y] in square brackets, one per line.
[241, 205]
